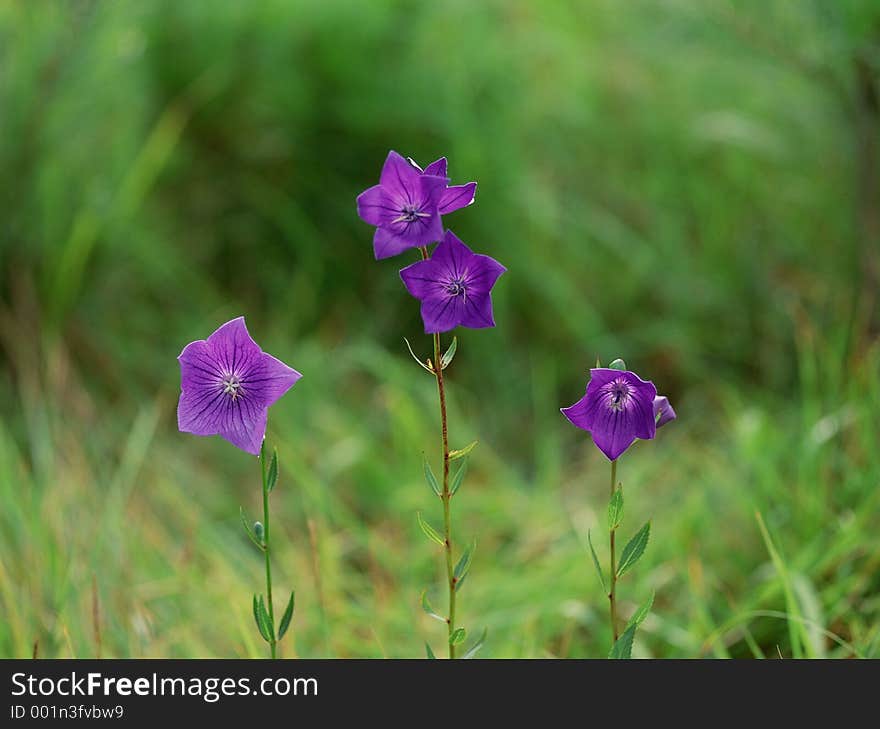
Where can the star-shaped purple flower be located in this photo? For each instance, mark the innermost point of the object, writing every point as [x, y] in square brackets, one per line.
[617, 409]
[407, 204]
[227, 385]
[453, 286]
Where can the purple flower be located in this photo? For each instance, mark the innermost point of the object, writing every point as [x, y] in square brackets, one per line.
[407, 204]
[617, 409]
[453, 286]
[454, 197]
[663, 411]
[227, 385]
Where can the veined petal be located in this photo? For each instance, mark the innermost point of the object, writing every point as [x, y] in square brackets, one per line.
[482, 273]
[663, 411]
[452, 255]
[477, 311]
[420, 280]
[198, 366]
[437, 167]
[388, 242]
[232, 346]
[400, 179]
[200, 410]
[245, 424]
[375, 206]
[442, 313]
[457, 197]
[580, 414]
[268, 379]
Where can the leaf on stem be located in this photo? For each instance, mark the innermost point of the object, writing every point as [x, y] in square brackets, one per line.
[460, 581]
[248, 530]
[462, 452]
[429, 531]
[638, 617]
[634, 549]
[615, 509]
[428, 608]
[446, 359]
[596, 563]
[457, 478]
[458, 636]
[285, 619]
[472, 651]
[266, 618]
[262, 625]
[430, 652]
[272, 476]
[420, 363]
[431, 478]
[464, 563]
[623, 646]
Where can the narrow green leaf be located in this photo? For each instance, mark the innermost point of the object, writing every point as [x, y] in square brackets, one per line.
[431, 478]
[617, 364]
[285, 619]
[430, 652]
[420, 363]
[272, 476]
[457, 478]
[638, 617]
[472, 651]
[428, 608]
[596, 562]
[248, 530]
[458, 636]
[460, 581]
[267, 620]
[634, 549]
[464, 563]
[462, 452]
[261, 626]
[429, 531]
[446, 359]
[623, 646]
[615, 509]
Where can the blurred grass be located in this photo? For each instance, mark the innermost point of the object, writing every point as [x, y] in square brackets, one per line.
[687, 186]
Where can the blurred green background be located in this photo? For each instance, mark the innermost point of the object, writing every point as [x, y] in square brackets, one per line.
[690, 186]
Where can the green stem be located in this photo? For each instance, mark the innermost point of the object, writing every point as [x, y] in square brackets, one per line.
[266, 548]
[445, 496]
[612, 594]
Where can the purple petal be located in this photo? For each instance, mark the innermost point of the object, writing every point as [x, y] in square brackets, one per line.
[437, 167]
[420, 280]
[400, 179]
[580, 414]
[374, 206]
[233, 348]
[457, 197]
[452, 256]
[245, 424]
[268, 379]
[483, 272]
[477, 312]
[388, 242]
[663, 411]
[199, 410]
[442, 313]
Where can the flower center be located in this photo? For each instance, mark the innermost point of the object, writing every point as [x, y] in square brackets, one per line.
[618, 394]
[231, 386]
[410, 213]
[457, 287]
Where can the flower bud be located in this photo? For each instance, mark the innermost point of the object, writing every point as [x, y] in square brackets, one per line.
[617, 364]
[258, 530]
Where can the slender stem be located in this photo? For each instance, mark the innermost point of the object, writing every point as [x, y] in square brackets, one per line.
[445, 496]
[266, 548]
[612, 596]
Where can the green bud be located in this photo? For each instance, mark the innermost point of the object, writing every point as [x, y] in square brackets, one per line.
[617, 364]
[258, 530]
